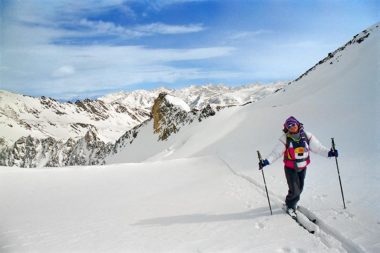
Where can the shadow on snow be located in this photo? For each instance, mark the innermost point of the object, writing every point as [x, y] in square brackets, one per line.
[204, 218]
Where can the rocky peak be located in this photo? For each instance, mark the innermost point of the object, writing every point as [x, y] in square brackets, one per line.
[168, 117]
[170, 113]
[96, 108]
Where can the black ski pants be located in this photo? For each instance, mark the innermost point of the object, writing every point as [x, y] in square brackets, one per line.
[295, 181]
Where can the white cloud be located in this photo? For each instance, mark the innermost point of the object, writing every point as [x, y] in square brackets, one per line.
[55, 70]
[160, 4]
[105, 28]
[248, 34]
[139, 30]
[64, 71]
[161, 28]
[31, 63]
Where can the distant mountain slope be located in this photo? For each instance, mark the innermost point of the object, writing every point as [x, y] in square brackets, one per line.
[43, 117]
[111, 116]
[198, 97]
[169, 114]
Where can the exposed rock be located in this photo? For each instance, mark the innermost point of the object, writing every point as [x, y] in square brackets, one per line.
[168, 118]
[128, 137]
[206, 112]
[32, 152]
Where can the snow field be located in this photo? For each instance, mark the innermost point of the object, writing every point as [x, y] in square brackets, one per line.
[184, 205]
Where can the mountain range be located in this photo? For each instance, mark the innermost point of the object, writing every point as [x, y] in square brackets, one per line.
[40, 131]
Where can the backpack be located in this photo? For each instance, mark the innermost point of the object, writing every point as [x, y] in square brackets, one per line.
[294, 155]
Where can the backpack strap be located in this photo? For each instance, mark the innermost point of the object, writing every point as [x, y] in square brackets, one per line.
[303, 134]
[305, 138]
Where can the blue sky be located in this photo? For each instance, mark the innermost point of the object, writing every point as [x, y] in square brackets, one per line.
[69, 49]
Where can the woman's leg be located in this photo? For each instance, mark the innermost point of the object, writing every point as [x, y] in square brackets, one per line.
[295, 182]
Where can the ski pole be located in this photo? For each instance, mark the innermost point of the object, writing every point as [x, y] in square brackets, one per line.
[262, 171]
[337, 168]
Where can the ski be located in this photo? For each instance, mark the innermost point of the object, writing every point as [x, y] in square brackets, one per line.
[306, 223]
[296, 219]
[307, 214]
[303, 221]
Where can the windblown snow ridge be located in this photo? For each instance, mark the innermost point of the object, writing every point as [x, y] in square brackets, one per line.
[334, 56]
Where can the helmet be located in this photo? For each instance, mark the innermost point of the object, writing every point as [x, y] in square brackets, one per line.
[289, 122]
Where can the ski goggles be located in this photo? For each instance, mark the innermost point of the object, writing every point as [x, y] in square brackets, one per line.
[290, 125]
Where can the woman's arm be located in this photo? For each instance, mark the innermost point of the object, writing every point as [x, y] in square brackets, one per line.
[316, 146]
[278, 150]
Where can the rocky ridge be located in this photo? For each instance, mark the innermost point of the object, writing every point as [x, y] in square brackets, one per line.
[333, 57]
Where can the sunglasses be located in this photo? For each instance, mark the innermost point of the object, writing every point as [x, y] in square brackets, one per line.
[291, 125]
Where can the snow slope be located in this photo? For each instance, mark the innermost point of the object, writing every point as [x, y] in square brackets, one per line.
[337, 100]
[183, 205]
[200, 191]
[178, 103]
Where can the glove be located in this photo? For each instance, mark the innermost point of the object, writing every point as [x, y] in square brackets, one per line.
[333, 153]
[263, 163]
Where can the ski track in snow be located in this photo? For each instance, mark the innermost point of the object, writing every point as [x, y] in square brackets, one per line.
[329, 236]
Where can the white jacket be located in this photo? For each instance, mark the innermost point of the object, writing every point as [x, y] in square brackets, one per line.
[314, 145]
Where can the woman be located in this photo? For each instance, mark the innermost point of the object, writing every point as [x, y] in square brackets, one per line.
[295, 146]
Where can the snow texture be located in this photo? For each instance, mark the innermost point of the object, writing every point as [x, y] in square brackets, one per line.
[178, 102]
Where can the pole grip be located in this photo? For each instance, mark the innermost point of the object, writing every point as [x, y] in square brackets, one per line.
[259, 155]
[260, 159]
[333, 144]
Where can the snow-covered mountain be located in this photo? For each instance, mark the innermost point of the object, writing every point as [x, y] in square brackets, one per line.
[197, 97]
[200, 190]
[168, 115]
[111, 115]
[41, 124]
[41, 131]
[43, 117]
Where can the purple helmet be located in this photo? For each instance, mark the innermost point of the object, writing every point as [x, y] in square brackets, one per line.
[291, 121]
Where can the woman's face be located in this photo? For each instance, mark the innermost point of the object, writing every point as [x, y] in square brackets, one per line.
[293, 129]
